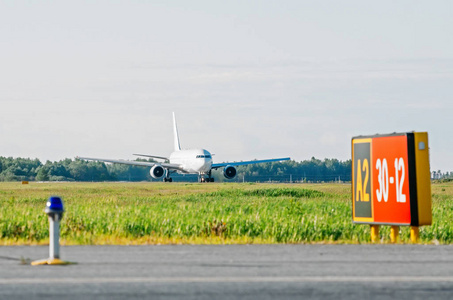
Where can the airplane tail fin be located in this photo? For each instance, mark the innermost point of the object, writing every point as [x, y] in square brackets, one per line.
[175, 134]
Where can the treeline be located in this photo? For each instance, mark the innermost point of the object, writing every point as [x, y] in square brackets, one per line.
[314, 170]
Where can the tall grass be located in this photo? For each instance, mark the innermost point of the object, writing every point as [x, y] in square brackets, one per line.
[140, 213]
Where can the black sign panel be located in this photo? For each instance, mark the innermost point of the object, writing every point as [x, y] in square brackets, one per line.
[362, 180]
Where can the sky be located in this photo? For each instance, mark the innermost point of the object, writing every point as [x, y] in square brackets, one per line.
[246, 79]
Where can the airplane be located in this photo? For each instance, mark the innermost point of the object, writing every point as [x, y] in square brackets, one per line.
[190, 161]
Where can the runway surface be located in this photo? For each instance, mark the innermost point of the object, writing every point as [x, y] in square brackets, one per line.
[230, 272]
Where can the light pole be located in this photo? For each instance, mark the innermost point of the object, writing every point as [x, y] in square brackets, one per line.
[54, 209]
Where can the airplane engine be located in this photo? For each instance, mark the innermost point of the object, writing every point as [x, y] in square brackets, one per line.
[157, 171]
[229, 172]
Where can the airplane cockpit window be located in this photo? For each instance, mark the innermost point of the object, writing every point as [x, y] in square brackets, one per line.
[204, 156]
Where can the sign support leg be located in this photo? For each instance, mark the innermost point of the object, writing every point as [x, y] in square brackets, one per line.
[374, 233]
[394, 233]
[415, 234]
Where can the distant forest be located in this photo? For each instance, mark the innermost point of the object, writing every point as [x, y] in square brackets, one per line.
[313, 170]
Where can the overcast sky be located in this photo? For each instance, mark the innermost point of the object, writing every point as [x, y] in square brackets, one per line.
[246, 79]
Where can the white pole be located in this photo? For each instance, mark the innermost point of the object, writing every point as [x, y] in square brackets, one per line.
[54, 209]
[54, 232]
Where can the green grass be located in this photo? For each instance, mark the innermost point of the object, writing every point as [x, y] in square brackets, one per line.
[151, 213]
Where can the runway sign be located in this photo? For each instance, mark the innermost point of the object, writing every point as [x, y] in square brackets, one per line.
[391, 179]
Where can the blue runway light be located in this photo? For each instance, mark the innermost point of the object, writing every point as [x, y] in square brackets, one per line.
[54, 210]
[54, 204]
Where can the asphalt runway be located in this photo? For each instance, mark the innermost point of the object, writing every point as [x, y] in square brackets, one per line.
[230, 272]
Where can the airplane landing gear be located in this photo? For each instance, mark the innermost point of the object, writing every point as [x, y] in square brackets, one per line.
[167, 177]
[210, 179]
[201, 178]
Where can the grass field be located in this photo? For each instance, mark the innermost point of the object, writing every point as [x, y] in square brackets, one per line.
[223, 213]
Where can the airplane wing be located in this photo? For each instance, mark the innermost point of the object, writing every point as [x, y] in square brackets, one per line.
[240, 163]
[134, 163]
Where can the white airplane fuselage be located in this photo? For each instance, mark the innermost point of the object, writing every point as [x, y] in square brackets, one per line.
[192, 160]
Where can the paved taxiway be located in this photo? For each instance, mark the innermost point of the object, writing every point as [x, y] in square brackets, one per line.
[231, 272]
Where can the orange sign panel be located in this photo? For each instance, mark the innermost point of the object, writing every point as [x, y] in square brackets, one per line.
[390, 180]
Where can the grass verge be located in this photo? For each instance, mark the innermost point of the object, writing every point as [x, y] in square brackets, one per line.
[158, 213]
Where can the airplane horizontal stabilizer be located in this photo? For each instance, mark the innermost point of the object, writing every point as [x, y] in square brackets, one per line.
[152, 156]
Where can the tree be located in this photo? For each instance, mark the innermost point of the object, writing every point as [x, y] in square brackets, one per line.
[43, 174]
